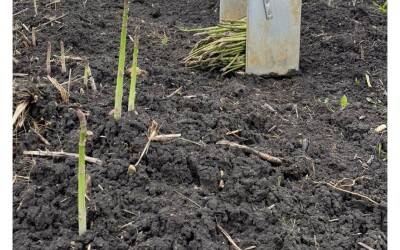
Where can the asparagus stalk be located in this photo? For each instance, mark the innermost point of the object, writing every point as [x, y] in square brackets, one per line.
[82, 174]
[121, 64]
[132, 90]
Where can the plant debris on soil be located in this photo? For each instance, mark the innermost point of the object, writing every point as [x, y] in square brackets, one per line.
[190, 192]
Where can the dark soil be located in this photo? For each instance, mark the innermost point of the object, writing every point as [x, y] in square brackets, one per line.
[297, 118]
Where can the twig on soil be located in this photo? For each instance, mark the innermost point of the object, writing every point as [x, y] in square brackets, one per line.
[73, 58]
[129, 212]
[153, 136]
[152, 132]
[51, 20]
[264, 156]
[234, 132]
[25, 38]
[127, 224]
[25, 27]
[228, 238]
[71, 80]
[365, 246]
[27, 178]
[339, 186]
[53, 2]
[165, 138]
[41, 137]
[193, 142]
[20, 74]
[64, 93]
[187, 198]
[48, 59]
[20, 12]
[178, 90]
[62, 154]
[353, 193]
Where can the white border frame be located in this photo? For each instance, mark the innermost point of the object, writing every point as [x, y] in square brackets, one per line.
[393, 122]
[6, 126]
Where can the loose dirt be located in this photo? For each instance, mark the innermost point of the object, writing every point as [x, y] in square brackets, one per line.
[175, 201]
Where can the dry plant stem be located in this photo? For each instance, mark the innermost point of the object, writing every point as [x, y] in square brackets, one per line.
[352, 193]
[228, 237]
[19, 110]
[187, 198]
[64, 93]
[82, 173]
[35, 7]
[365, 246]
[264, 156]
[26, 42]
[178, 90]
[20, 12]
[69, 81]
[44, 140]
[51, 20]
[33, 36]
[153, 130]
[63, 66]
[54, 2]
[92, 82]
[62, 154]
[132, 90]
[48, 59]
[165, 138]
[152, 137]
[86, 73]
[121, 64]
[20, 74]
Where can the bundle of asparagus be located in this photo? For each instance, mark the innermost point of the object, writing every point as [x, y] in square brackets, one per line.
[224, 47]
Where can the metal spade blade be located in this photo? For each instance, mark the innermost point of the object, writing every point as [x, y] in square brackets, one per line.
[273, 36]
